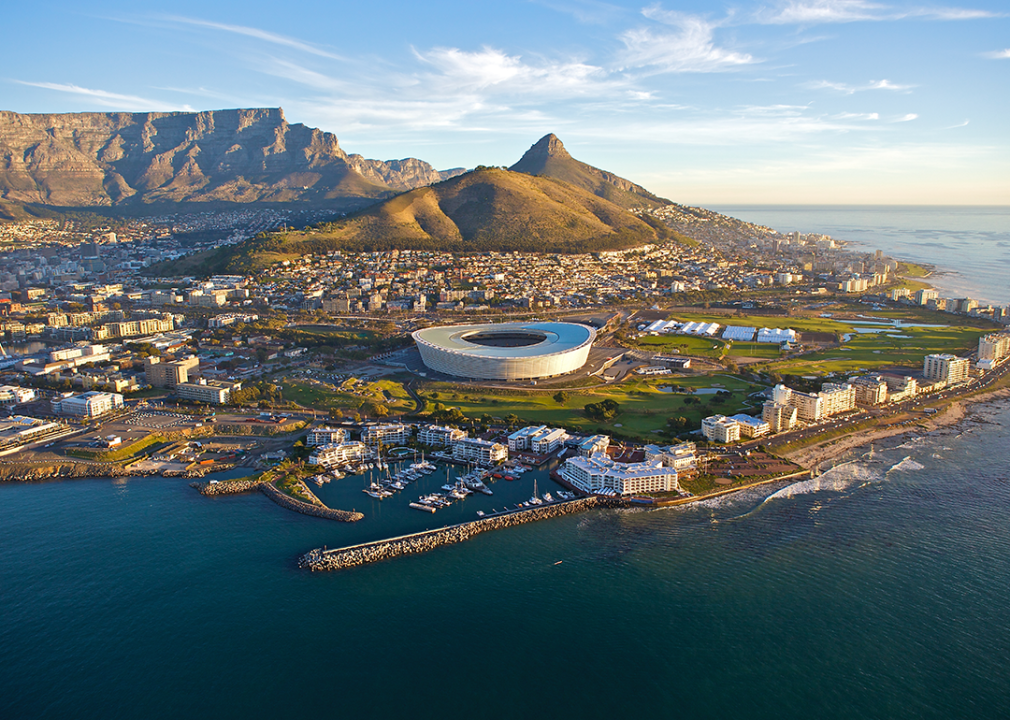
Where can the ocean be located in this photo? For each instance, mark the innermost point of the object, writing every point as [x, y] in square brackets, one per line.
[970, 246]
[879, 589]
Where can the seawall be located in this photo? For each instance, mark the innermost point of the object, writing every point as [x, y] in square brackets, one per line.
[366, 553]
[286, 501]
[227, 487]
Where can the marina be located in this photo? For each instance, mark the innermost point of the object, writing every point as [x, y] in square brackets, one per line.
[421, 494]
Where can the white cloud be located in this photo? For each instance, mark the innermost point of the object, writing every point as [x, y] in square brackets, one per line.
[906, 118]
[998, 54]
[109, 99]
[490, 68]
[856, 116]
[820, 11]
[815, 12]
[851, 89]
[688, 48]
[256, 33]
[959, 125]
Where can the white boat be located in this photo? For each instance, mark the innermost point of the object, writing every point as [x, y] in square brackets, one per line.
[535, 500]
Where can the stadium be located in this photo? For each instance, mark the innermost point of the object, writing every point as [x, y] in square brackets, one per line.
[507, 351]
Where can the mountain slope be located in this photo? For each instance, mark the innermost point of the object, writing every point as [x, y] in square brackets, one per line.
[103, 159]
[548, 157]
[487, 209]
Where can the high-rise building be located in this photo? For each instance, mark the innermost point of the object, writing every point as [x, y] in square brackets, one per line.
[945, 367]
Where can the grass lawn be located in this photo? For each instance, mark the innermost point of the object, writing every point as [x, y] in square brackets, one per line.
[867, 351]
[686, 344]
[644, 408]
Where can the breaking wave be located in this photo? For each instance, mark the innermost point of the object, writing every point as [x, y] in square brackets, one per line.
[907, 464]
[837, 479]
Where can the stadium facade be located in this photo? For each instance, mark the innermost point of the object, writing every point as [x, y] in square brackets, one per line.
[506, 351]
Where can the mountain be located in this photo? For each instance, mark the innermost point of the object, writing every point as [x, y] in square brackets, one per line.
[243, 156]
[549, 158]
[486, 209]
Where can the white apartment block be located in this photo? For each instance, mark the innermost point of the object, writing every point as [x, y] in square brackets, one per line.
[482, 452]
[14, 395]
[326, 436]
[809, 406]
[837, 398]
[993, 350]
[870, 389]
[91, 404]
[720, 429]
[682, 457]
[439, 435]
[600, 474]
[779, 417]
[945, 367]
[338, 453]
[594, 445]
[213, 392]
[901, 388]
[541, 440]
[392, 434]
[750, 426]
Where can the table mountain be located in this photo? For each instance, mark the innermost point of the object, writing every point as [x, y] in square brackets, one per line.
[103, 159]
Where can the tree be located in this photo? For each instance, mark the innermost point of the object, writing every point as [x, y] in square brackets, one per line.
[378, 410]
[561, 397]
[678, 423]
[603, 410]
[512, 420]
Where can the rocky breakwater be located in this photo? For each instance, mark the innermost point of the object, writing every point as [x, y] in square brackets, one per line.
[316, 509]
[228, 487]
[338, 559]
[33, 472]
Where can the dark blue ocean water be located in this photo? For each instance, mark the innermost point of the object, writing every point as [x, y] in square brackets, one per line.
[969, 245]
[879, 590]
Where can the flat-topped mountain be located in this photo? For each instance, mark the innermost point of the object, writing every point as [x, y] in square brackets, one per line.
[486, 209]
[548, 157]
[103, 159]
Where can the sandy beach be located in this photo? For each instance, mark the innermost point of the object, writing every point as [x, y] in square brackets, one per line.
[814, 455]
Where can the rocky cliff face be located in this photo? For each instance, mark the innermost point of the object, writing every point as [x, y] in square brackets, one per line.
[87, 159]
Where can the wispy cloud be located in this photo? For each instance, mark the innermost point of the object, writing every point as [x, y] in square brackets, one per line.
[856, 116]
[906, 118]
[688, 47]
[820, 11]
[998, 54]
[255, 33]
[591, 12]
[852, 89]
[816, 12]
[959, 125]
[108, 99]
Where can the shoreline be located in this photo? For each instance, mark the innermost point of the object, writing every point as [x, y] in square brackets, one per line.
[957, 411]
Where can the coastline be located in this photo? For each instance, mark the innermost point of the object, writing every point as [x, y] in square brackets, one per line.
[957, 411]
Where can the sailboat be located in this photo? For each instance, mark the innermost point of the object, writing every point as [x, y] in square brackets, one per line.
[535, 500]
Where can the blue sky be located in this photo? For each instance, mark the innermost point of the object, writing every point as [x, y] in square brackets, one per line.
[798, 101]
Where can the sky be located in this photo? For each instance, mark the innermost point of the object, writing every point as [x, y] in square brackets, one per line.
[778, 102]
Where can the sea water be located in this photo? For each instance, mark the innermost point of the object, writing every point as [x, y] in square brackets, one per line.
[970, 246]
[878, 590]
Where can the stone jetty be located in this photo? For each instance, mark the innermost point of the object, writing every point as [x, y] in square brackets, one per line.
[366, 553]
[229, 487]
[320, 510]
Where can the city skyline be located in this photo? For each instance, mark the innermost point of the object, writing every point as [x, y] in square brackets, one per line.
[825, 102]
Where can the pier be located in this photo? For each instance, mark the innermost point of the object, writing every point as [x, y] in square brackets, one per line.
[366, 553]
